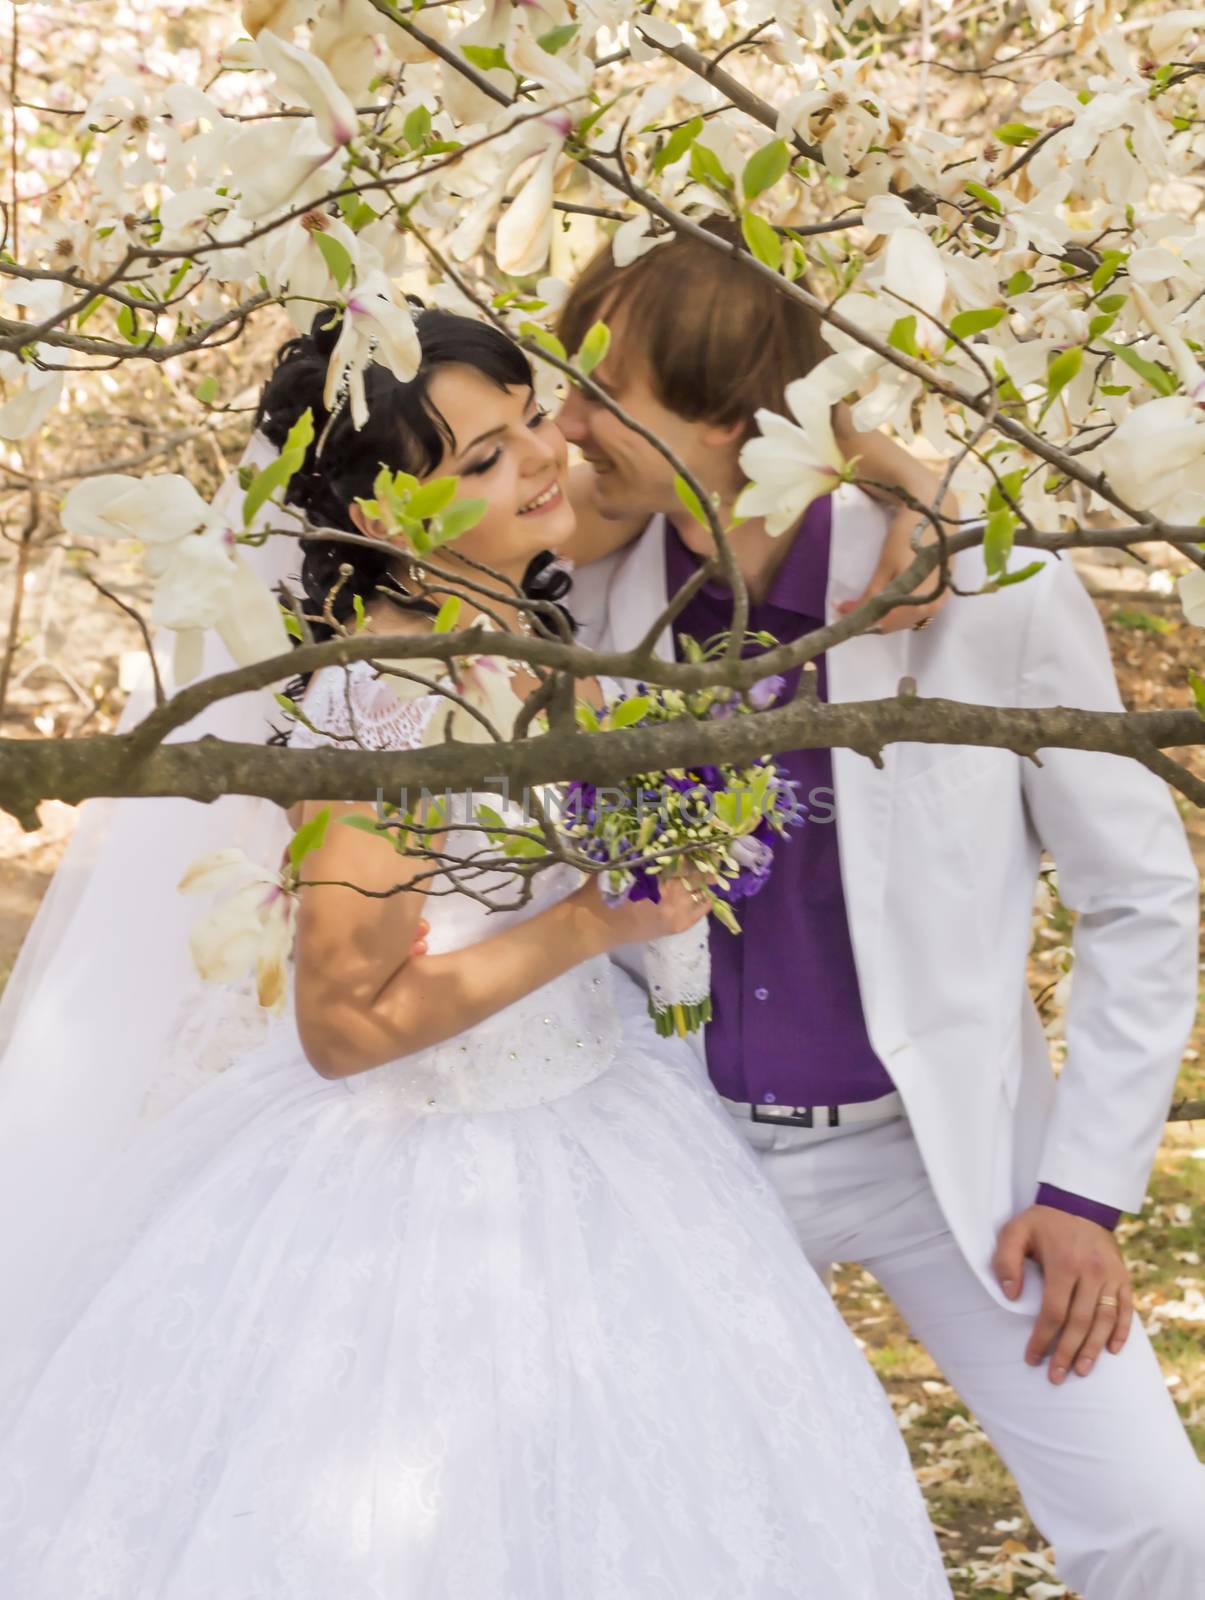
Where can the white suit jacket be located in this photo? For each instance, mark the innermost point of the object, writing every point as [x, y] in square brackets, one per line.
[939, 857]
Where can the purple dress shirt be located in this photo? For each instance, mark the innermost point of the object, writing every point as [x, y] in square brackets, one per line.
[788, 1026]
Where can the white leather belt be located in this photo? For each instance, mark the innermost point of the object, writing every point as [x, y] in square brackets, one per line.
[887, 1105]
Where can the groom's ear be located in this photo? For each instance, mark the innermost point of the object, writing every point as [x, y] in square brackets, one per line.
[723, 435]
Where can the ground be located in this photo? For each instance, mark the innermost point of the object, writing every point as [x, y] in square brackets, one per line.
[991, 1548]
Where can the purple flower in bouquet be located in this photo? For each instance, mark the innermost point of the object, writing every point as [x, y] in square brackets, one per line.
[761, 696]
[754, 857]
[766, 691]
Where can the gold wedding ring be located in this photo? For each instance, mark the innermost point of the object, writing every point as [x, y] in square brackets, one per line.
[1108, 1300]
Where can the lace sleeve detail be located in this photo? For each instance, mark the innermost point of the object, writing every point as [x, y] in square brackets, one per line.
[354, 708]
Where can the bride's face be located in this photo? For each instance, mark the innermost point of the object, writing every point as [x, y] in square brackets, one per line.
[509, 453]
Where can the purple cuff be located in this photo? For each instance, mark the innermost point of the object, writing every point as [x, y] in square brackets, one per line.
[1090, 1210]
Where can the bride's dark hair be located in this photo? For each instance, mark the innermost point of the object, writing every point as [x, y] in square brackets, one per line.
[404, 432]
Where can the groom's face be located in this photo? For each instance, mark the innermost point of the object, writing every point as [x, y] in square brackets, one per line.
[632, 478]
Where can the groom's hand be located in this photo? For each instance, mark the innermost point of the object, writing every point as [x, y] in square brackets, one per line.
[1086, 1299]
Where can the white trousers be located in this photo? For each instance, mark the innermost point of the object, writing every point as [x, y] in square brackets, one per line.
[1103, 1464]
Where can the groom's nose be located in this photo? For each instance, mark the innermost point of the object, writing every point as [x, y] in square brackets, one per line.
[573, 419]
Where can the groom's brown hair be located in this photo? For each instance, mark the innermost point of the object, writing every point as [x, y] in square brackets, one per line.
[719, 340]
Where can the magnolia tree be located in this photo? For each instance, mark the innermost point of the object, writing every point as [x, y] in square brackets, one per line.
[994, 208]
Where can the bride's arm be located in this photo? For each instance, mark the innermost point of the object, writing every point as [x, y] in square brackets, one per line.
[363, 997]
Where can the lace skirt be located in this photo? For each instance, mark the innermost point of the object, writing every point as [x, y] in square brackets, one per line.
[323, 1349]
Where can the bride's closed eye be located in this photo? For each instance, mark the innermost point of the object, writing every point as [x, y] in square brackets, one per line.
[478, 467]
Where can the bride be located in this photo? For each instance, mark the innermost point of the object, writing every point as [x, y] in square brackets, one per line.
[458, 1285]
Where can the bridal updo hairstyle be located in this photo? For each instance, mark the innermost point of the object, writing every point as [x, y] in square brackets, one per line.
[404, 432]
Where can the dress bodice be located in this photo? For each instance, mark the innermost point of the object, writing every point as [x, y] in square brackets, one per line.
[539, 1048]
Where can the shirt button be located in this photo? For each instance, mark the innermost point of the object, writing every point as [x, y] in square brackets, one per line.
[769, 1099]
[761, 994]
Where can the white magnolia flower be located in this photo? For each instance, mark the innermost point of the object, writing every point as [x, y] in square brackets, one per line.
[300, 76]
[122, 108]
[201, 580]
[791, 463]
[524, 231]
[279, 163]
[32, 394]
[1169, 31]
[375, 328]
[297, 270]
[838, 112]
[250, 929]
[631, 240]
[1192, 596]
[1156, 458]
[522, 240]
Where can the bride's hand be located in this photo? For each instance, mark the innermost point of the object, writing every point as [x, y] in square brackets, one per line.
[635, 921]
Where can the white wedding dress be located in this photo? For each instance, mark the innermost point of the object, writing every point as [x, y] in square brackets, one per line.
[514, 1318]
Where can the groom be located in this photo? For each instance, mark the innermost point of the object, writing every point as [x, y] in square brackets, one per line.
[873, 1036]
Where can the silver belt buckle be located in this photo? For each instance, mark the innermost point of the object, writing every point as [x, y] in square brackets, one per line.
[795, 1116]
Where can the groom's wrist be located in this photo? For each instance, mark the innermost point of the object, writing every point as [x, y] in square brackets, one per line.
[1077, 1205]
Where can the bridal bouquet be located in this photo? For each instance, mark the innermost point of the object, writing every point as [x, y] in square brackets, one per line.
[716, 824]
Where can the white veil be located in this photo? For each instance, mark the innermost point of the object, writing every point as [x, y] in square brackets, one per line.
[104, 1023]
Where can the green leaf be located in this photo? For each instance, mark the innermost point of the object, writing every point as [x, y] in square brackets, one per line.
[587, 717]
[1027, 571]
[265, 484]
[309, 837]
[903, 335]
[690, 499]
[557, 38]
[796, 263]
[1112, 303]
[706, 167]
[459, 518]
[1016, 133]
[355, 210]
[277, 474]
[546, 340]
[93, 305]
[1111, 262]
[763, 242]
[985, 197]
[968, 322]
[1003, 493]
[293, 629]
[1197, 684]
[368, 825]
[1159, 378]
[594, 348]
[448, 613]
[1018, 283]
[678, 143]
[357, 605]
[127, 323]
[336, 255]
[301, 435]
[628, 712]
[998, 540]
[1061, 369]
[765, 167]
[486, 58]
[416, 129]
[431, 498]
[1101, 324]
[206, 390]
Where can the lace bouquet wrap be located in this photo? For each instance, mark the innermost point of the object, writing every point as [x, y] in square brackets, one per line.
[716, 823]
